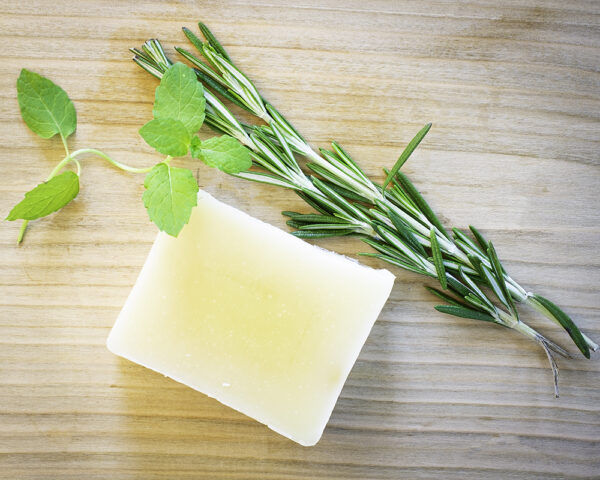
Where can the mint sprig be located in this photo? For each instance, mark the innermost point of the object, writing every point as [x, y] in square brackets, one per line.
[178, 113]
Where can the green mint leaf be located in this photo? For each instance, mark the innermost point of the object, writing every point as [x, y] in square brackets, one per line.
[224, 152]
[167, 136]
[170, 195]
[47, 197]
[180, 96]
[45, 107]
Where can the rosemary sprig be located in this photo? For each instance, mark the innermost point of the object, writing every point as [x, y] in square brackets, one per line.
[396, 222]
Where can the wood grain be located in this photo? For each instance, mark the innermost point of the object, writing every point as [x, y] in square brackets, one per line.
[513, 90]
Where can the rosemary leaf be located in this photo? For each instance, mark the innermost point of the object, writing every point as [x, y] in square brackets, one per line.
[472, 248]
[465, 313]
[566, 322]
[405, 231]
[348, 194]
[262, 177]
[282, 122]
[386, 248]
[492, 282]
[479, 237]
[308, 199]
[438, 261]
[327, 226]
[341, 153]
[418, 199]
[330, 177]
[321, 234]
[293, 224]
[410, 148]
[474, 288]
[288, 156]
[446, 297]
[400, 194]
[149, 66]
[271, 157]
[326, 203]
[499, 272]
[396, 261]
[475, 301]
[477, 265]
[213, 41]
[194, 40]
[200, 65]
[341, 201]
[289, 213]
[216, 87]
[313, 217]
[457, 286]
[452, 265]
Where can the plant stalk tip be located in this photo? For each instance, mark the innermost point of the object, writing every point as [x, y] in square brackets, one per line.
[22, 231]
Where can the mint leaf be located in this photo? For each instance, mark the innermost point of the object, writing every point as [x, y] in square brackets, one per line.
[224, 152]
[170, 195]
[45, 107]
[167, 136]
[47, 197]
[180, 96]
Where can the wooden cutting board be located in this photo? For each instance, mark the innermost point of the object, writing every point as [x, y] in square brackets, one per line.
[513, 91]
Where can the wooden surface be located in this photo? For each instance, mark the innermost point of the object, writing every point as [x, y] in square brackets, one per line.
[513, 90]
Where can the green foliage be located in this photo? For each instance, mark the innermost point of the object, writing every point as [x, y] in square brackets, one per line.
[410, 148]
[47, 197]
[438, 260]
[170, 195]
[45, 107]
[224, 152]
[167, 136]
[565, 321]
[463, 312]
[180, 96]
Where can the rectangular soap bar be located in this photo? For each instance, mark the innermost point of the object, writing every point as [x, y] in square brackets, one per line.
[252, 316]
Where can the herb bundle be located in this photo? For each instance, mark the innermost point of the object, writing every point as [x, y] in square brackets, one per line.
[393, 218]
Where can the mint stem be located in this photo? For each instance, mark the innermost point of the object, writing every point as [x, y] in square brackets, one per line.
[71, 157]
[103, 155]
[22, 231]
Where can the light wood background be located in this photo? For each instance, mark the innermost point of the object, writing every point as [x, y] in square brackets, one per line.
[513, 90]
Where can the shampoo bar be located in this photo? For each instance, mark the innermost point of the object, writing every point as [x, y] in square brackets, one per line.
[252, 316]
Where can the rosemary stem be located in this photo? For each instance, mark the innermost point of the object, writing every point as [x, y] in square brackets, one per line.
[372, 195]
[538, 337]
[547, 345]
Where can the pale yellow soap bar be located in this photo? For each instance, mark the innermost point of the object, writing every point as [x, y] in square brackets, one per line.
[252, 316]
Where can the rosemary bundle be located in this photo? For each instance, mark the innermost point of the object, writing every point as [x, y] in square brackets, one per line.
[393, 218]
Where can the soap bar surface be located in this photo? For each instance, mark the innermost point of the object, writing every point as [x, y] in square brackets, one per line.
[252, 316]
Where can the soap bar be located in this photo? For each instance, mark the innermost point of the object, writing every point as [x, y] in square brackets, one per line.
[252, 316]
